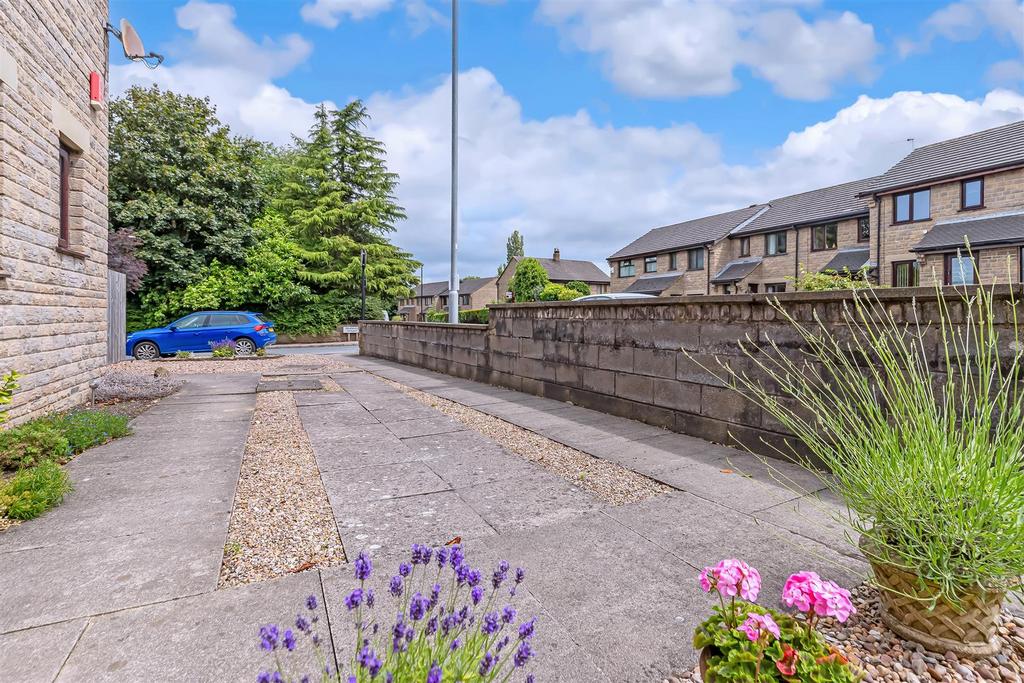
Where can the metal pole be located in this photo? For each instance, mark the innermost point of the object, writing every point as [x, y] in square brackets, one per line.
[453, 282]
[362, 294]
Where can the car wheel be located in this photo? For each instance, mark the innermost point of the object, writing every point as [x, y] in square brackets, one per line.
[244, 347]
[146, 351]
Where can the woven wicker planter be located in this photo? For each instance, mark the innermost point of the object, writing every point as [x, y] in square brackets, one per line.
[969, 631]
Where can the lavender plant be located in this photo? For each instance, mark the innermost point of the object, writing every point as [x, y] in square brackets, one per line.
[441, 620]
[225, 348]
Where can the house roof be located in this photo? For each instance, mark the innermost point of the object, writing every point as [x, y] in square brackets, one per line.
[652, 284]
[431, 288]
[985, 150]
[806, 208]
[692, 233]
[734, 271]
[472, 284]
[849, 259]
[1002, 228]
[566, 270]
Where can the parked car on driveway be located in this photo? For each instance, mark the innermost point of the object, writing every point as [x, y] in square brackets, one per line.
[613, 296]
[196, 331]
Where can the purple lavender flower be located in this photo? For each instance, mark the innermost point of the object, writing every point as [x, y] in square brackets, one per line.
[389, 678]
[487, 663]
[396, 586]
[369, 660]
[404, 569]
[302, 623]
[498, 578]
[442, 557]
[455, 645]
[306, 679]
[526, 629]
[490, 625]
[474, 577]
[364, 567]
[435, 674]
[431, 626]
[529, 678]
[418, 606]
[268, 637]
[354, 599]
[523, 654]
[477, 594]
[371, 597]
[501, 644]
[311, 603]
[455, 556]
[398, 635]
[289, 640]
[435, 595]
[508, 614]
[520, 574]
[263, 677]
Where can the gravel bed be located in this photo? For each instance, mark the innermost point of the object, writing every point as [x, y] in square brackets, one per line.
[131, 408]
[608, 481]
[884, 656]
[281, 521]
[326, 363]
[129, 383]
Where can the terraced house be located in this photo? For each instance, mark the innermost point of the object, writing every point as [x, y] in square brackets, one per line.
[911, 225]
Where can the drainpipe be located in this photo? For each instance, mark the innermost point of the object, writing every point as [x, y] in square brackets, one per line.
[878, 240]
[707, 268]
[796, 258]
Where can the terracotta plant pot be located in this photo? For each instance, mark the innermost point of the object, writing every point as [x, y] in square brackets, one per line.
[905, 609]
[706, 654]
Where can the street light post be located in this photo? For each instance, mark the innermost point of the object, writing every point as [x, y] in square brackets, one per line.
[453, 282]
[362, 289]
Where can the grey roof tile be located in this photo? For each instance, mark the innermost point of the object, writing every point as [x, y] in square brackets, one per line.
[652, 284]
[814, 206]
[849, 259]
[734, 271]
[993, 229]
[432, 288]
[692, 233]
[984, 150]
[566, 270]
[472, 284]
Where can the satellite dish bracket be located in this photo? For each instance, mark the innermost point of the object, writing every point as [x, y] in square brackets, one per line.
[150, 59]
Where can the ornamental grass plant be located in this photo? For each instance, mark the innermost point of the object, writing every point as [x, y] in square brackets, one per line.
[929, 458]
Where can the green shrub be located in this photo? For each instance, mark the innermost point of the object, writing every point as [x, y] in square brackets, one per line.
[476, 316]
[8, 383]
[33, 491]
[582, 288]
[830, 281]
[87, 428]
[32, 443]
[529, 280]
[437, 316]
[183, 354]
[556, 292]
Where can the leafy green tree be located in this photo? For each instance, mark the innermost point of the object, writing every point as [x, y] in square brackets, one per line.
[338, 197]
[178, 180]
[581, 288]
[514, 248]
[529, 280]
[557, 292]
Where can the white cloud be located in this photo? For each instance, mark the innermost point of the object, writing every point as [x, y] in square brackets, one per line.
[1009, 73]
[329, 13]
[679, 48]
[966, 21]
[221, 62]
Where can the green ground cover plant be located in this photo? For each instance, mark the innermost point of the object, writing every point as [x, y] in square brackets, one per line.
[31, 443]
[34, 490]
[87, 428]
[932, 465]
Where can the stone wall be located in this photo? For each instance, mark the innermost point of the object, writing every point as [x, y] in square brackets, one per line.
[630, 358]
[53, 300]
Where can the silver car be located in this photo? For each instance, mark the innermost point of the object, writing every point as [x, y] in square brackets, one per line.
[614, 296]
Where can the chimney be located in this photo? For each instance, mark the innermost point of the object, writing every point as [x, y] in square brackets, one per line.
[557, 255]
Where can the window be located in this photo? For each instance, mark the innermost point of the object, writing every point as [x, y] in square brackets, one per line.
[905, 274]
[626, 268]
[863, 229]
[972, 194]
[912, 206]
[673, 259]
[726, 289]
[64, 238]
[824, 237]
[961, 269]
[651, 264]
[752, 288]
[190, 322]
[464, 299]
[775, 288]
[775, 243]
[744, 246]
[695, 259]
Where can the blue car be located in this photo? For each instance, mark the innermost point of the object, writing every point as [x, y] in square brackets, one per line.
[195, 332]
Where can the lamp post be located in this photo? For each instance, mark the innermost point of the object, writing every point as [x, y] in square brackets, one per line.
[362, 289]
[453, 283]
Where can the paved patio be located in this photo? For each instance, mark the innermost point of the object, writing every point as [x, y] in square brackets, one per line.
[119, 583]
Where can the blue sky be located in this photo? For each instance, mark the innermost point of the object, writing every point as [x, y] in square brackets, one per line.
[587, 122]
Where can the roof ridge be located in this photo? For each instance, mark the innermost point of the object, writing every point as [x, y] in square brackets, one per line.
[968, 135]
[822, 189]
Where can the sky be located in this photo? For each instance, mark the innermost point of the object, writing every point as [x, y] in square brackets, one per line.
[585, 123]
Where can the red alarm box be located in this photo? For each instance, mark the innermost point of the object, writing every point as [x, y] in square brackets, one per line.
[95, 90]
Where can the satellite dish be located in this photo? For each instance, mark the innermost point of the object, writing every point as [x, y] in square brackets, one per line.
[132, 45]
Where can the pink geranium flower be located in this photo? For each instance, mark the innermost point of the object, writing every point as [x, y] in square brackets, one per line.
[809, 593]
[730, 578]
[801, 590]
[757, 625]
[833, 601]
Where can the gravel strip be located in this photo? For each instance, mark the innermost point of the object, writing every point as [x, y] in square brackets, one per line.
[608, 481]
[884, 656]
[324, 363]
[124, 382]
[282, 521]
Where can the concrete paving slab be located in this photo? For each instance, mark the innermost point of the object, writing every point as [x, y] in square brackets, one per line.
[289, 384]
[37, 654]
[620, 597]
[319, 398]
[380, 482]
[404, 412]
[194, 639]
[396, 524]
[200, 385]
[425, 426]
[818, 517]
[724, 484]
[475, 466]
[72, 580]
[335, 417]
[534, 500]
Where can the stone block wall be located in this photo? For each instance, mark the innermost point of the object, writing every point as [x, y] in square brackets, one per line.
[53, 299]
[656, 361]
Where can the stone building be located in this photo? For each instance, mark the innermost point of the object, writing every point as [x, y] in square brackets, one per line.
[53, 200]
[474, 293]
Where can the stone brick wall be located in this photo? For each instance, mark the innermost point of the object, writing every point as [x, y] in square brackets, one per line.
[1003, 190]
[52, 301]
[628, 358]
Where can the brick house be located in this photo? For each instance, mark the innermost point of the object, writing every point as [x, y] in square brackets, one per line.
[53, 201]
[827, 229]
[560, 271]
[474, 292]
[424, 299]
[941, 196]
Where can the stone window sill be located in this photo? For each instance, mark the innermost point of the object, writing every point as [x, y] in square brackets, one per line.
[68, 251]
